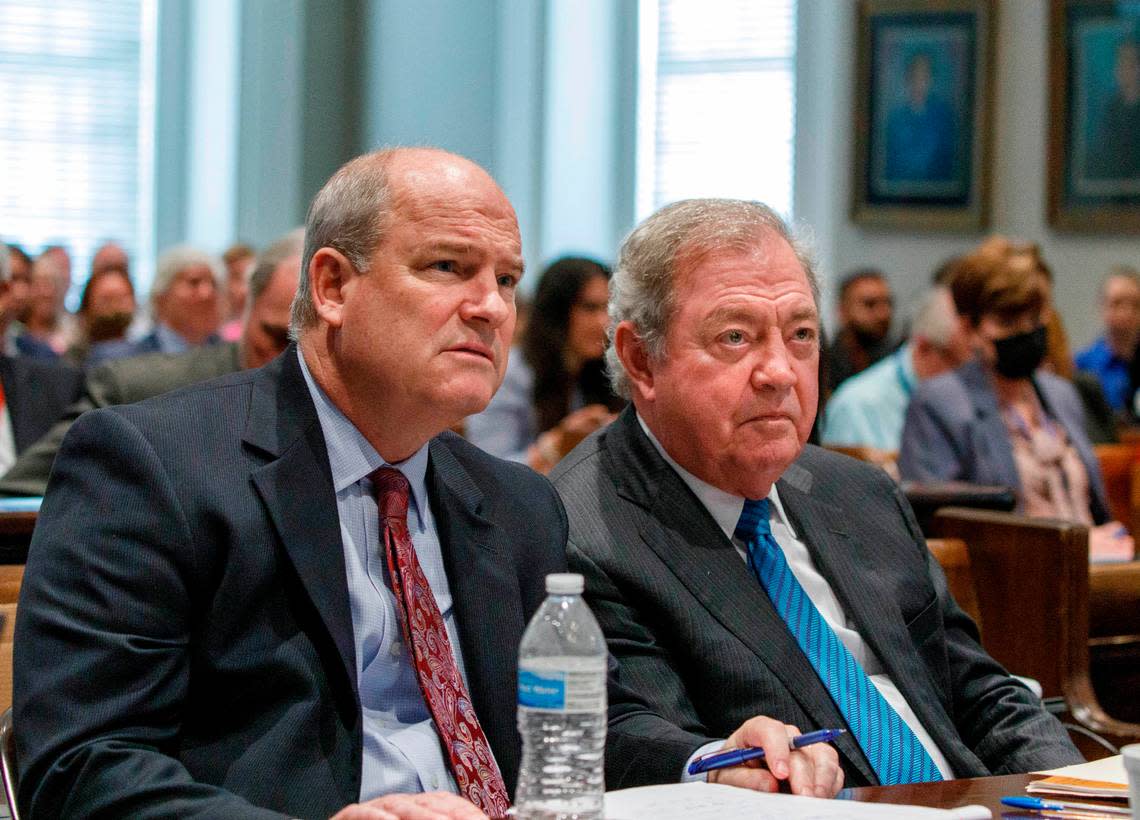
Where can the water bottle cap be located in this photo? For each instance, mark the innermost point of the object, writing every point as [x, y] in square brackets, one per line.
[565, 583]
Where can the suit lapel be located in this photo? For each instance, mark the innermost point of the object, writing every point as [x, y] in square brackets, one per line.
[296, 488]
[485, 594]
[687, 539]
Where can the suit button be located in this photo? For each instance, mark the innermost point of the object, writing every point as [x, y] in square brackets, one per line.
[397, 649]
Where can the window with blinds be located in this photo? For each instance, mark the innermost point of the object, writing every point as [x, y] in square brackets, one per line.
[76, 126]
[716, 101]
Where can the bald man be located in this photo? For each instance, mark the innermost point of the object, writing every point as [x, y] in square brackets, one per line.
[229, 569]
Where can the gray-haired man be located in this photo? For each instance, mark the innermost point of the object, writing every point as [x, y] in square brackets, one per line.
[738, 572]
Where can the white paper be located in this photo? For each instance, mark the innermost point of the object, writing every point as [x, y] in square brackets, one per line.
[1106, 770]
[706, 801]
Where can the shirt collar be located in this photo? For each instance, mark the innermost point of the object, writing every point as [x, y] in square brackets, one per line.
[351, 457]
[169, 340]
[724, 507]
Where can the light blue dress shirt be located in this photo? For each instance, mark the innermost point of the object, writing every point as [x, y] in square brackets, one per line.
[869, 409]
[402, 751]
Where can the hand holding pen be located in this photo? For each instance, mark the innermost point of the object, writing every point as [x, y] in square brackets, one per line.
[812, 770]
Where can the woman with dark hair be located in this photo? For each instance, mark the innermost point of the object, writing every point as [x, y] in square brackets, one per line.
[555, 391]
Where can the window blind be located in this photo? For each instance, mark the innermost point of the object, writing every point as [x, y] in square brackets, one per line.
[76, 119]
[716, 101]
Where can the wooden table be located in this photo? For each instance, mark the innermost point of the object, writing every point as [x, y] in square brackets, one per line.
[949, 794]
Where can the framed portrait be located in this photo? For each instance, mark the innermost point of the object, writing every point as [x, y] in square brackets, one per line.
[922, 114]
[1094, 122]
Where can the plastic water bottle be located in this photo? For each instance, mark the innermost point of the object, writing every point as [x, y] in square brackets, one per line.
[562, 708]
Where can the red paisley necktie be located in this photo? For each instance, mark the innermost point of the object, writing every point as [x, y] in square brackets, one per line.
[474, 768]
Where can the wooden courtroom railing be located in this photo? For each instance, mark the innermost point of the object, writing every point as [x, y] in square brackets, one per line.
[1031, 578]
[1118, 467]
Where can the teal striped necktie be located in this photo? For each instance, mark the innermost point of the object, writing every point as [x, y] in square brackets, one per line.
[894, 751]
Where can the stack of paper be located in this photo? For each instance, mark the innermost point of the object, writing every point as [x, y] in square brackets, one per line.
[1100, 778]
[706, 801]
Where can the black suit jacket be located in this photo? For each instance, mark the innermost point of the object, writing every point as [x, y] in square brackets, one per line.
[184, 643]
[696, 634]
[37, 392]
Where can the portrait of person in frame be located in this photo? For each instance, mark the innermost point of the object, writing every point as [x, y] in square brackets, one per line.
[921, 99]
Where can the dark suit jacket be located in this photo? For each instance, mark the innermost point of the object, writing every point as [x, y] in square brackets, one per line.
[184, 643]
[954, 432]
[37, 393]
[119, 381]
[696, 634]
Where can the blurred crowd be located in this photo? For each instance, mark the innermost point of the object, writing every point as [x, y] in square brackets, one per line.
[980, 386]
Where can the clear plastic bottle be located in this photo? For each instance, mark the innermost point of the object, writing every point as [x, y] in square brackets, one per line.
[562, 708]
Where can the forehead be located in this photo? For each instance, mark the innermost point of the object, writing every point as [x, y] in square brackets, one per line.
[766, 269]
[1118, 286]
[867, 286]
[454, 202]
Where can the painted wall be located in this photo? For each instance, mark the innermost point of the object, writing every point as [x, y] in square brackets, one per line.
[824, 147]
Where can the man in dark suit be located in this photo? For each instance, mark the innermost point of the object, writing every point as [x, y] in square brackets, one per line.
[737, 572]
[265, 333]
[33, 393]
[212, 619]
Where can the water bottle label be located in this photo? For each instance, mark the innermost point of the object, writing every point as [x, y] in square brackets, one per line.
[562, 691]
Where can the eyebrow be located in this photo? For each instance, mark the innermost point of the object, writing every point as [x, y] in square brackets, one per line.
[448, 246]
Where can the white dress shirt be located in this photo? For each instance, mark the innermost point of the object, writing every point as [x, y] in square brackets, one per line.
[402, 751]
[725, 509]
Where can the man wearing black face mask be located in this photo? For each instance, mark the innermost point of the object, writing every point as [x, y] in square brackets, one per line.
[999, 419]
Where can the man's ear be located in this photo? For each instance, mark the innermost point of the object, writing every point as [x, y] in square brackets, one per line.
[329, 273]
[635, 358]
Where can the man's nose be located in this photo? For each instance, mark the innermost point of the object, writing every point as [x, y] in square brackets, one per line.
[486, 302]
[773, 368]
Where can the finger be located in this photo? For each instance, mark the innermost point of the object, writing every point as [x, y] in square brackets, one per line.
[801, 777]
[742, 777]
[837, 785]
[406, 807]
[825, 761]
[771, 736]
[358, 812]
[450, 805]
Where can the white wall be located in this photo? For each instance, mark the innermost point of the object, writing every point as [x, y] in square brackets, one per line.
[824, 146]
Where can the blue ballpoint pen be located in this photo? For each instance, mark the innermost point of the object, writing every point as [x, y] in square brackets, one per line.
[1037, 804]
[734, 757]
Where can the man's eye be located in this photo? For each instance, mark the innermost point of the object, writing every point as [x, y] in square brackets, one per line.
[446, 265]
[733, 337]
[805, 334]
[508, 280]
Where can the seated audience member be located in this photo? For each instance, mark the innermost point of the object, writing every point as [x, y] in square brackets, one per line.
[33, 394]
[738, 572]
[290, 589]
[16, 340]
[239, 260]
[999, 419]
[866, 307]
[868, 409]
[1110, 357]
[555, 391]
[265, 332]
[106, 310]
[47, 320]
[186, 303]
